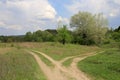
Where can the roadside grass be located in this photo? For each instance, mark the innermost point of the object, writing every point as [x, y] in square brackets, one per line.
[103, 66]
[67, 62]
[58, 51]
[16, 64]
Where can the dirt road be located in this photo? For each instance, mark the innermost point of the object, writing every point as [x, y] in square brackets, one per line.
[59, 72]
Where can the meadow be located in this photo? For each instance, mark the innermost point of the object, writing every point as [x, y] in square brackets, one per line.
[59, 51]
[103, 66]
[17, 64]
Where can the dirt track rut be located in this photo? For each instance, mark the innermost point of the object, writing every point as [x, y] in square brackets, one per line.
[60, 72]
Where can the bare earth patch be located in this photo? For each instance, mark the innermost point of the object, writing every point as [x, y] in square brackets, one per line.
[59, 72]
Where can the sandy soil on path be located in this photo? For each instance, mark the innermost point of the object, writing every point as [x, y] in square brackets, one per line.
[77, 72]
[63, 73]
[60, 72]
[51, 74]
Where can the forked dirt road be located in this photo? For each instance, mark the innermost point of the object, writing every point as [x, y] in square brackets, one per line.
[59, 72]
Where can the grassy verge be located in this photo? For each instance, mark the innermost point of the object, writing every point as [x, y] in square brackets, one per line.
[67, 62]
[15, 64]
[58, 51]
[104, 66]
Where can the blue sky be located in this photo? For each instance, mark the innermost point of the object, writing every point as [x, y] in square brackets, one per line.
[19, 16]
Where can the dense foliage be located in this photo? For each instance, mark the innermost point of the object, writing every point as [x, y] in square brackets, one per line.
[88, 29]
[116, 34]
[91, 29]
[64, 34]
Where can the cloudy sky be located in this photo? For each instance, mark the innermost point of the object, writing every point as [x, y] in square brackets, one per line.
[19, 16]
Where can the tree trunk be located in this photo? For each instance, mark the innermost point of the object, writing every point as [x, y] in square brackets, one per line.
[63, 41]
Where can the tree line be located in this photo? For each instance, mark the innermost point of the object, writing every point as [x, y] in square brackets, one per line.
[88, 29]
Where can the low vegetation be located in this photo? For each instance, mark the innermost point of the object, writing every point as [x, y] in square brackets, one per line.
[58, 51]
[67, 62]
[16, 64]
[104, 66]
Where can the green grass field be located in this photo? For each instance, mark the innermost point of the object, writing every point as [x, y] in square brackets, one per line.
[104, 66]
[16, 64]
[58, 51]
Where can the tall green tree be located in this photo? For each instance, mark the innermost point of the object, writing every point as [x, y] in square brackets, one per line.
[42, 36]
[47, 36]
[37, 35]
[91, 28]
[117, 29]
[116, 34]
[28, 36]
[63, 34]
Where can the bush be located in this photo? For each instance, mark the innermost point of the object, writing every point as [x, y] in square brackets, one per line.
[12, 45]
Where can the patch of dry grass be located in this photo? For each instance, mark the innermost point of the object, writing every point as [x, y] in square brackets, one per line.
[16, 64]
[58, 51]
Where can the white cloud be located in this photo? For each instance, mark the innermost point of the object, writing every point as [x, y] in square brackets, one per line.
[110, 8]
[35, 8]
[26, 14]
[2, 24]
[114, 13]
[63, 20]
[117, 1]
[14, 27]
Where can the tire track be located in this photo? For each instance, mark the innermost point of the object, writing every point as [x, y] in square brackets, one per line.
[70, 73]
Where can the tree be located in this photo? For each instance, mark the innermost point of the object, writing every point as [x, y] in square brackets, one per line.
[63, 34]
[37, 36]
[91, 28]
[47, 36]
[116, 34]
[2, 39]
[28, 36]
[117, 29]
[42, 36]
